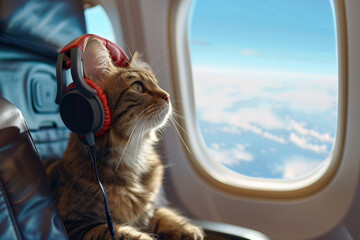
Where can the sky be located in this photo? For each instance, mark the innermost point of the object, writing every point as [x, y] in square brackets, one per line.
[269, 71]
[296, 35]
[97, 22]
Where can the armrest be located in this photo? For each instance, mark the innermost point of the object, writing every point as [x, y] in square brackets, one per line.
[222, 231]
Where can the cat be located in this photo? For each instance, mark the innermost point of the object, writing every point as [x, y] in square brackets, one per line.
[129, 168]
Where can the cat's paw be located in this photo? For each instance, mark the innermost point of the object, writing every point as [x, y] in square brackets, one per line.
[185, 232]
[140, 236]
[129, 233]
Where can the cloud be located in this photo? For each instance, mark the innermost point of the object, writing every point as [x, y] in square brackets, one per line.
[261, 116]
[303, 143]
[250, 52]
[264, 134]
[253, 129]
[251, 101]
[297, 166]
[231, 130]
[307, 98]
[302, 130]
[253, 97]
[274, 137]
[242, 155]
[231, 156]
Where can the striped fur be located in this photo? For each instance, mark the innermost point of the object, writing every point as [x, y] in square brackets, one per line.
[129, 167]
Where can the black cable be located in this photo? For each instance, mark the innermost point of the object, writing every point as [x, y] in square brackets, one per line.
[91, 143]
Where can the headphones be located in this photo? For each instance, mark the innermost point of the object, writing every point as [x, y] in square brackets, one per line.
[83, 106]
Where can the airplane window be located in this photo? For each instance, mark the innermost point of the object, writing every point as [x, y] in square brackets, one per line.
[97, 22]
[265, 77]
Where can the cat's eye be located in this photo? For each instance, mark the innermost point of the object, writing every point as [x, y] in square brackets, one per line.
[138, 87]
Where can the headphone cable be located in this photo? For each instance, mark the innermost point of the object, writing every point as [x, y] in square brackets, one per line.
[91, 143]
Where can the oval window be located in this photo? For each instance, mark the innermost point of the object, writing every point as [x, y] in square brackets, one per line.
[265, 77]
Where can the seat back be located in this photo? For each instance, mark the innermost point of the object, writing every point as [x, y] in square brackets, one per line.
[31, 33]
[28, 208]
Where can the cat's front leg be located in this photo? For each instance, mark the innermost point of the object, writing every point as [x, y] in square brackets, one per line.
[169, 225]
[101, 232]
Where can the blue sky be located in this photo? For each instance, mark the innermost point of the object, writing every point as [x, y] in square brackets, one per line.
[283, 34]
[97, 22]
[268, 69]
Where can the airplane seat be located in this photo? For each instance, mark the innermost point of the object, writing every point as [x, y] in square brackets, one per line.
[28, 208]
[31, 33]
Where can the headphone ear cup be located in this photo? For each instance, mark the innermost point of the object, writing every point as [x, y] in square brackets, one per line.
[81, 114]
[103, 100]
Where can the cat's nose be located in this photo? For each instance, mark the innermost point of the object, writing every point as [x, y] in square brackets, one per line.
[166, 97]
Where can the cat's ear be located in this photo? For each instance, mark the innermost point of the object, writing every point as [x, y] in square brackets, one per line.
[96, 60]
[137, 63]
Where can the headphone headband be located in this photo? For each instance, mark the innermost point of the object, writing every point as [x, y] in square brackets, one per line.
[94, 113]
[71, 56]
[117, 54]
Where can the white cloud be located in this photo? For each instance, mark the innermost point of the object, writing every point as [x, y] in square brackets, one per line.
[253, 129]
[299, 91]
[231, 156]
[261, 116]
[307, 98]
[304, 144]
[242, 155]
[241, 147]
[274, 137]
[231, 129]
[250, 100]
[302, 130]
[297, 166]
[253, 74]
[215, 146]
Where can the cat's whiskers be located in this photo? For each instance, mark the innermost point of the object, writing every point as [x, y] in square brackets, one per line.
[131, 134]
[128, 49]
[157, 122]
[140, 137]
[178, 124]
[177, 114]
[173, 122]
[162, 128]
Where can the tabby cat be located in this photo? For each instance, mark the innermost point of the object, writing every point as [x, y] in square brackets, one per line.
[129, 167]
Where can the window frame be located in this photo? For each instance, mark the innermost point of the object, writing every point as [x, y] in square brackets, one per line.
[218, 175]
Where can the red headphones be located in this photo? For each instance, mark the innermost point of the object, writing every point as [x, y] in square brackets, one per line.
[83, 105]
